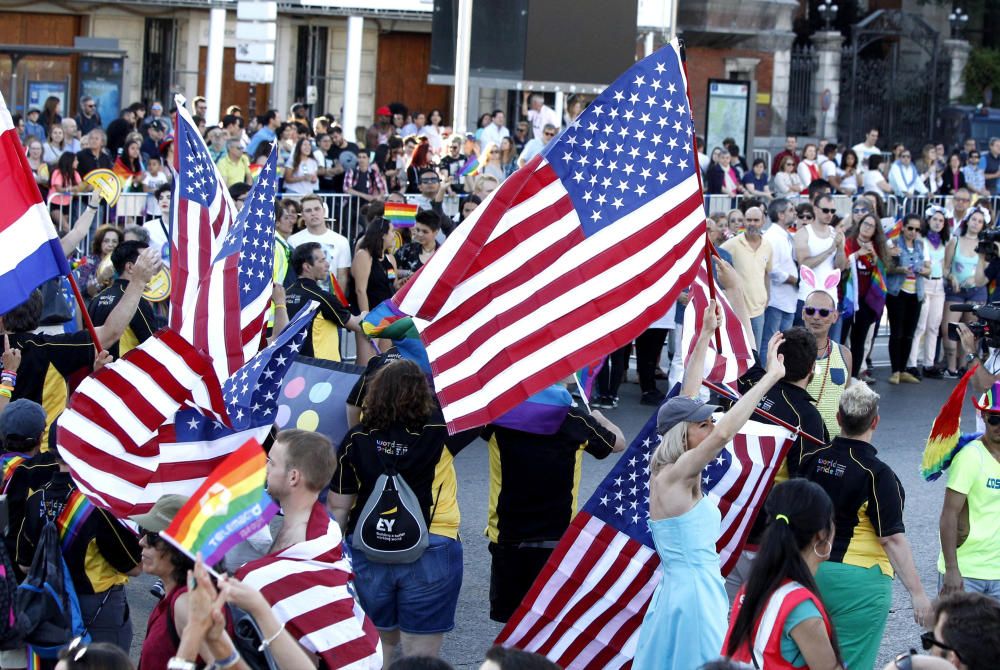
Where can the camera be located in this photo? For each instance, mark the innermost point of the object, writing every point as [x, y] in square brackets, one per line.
[988, 327]
[989, 243]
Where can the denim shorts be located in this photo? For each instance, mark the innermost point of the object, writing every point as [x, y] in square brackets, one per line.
[972, 294]
[418, 598]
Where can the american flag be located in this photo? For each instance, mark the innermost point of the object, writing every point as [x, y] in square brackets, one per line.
[573, 256]
[585, 608]
[308, 587]
[737, 346]
[108, 433]
[222, 262]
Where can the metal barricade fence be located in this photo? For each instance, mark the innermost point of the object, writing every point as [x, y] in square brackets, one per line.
[765, 155]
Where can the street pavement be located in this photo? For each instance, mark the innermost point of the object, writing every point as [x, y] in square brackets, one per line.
[906, 415]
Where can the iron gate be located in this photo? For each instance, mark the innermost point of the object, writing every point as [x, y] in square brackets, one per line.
[801, 115]
[892, 78]
[159, 49]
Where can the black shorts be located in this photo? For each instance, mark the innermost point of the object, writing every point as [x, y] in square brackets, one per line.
[512, 572]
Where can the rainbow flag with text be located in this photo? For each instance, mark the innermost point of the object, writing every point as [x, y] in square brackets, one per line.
[230, 506]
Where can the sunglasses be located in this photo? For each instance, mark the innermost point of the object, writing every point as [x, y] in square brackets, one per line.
[806, 217]
[860, 210]
[993, 420]
[905, 156]
[430, 181]
[151, 538]
[548, 134]
[927, 641]
[813, 311]
[914, 229]
[905, 661]
[828, 210]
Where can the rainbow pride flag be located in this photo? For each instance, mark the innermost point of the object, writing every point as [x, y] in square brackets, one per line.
[894, 232]
[11, 462]
[72, 517]
[230, 506]
[388, 322]
[542, 413]
[401, 214]
[878, 290]
[471, 166]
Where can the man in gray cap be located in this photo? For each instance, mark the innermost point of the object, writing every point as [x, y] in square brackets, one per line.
[25, 469]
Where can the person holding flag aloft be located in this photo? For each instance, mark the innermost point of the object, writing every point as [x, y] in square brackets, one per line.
[685, 624]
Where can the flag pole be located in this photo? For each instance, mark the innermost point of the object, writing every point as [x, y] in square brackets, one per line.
[765, 414]
[84, 314]
[701, 186]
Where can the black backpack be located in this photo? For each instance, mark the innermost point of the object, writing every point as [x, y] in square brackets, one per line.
[46, 605]
[10, 636]
[391, 527]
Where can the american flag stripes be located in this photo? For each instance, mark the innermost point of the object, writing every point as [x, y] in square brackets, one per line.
[573, 256]
[222, 262]
[737, 345]
[307, 585]
[585, 608]
[109, 433]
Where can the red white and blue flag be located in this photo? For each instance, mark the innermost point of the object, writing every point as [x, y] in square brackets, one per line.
[585, 608]
[218, 261]
[573, 256]
[737, 345]
[32, 253]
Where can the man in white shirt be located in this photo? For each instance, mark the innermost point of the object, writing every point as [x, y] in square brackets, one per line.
[534, 147]
[784, 275]
[905, 178]
[533, 107]
[496, 131]
[335, 246]
[865, 149]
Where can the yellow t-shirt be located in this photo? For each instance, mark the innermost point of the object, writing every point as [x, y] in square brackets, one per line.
[753, 266]
[975, 473]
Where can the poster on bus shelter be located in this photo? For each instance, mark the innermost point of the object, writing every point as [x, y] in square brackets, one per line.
[728, 113]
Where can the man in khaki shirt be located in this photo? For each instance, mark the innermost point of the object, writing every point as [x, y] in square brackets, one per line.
[752, 256]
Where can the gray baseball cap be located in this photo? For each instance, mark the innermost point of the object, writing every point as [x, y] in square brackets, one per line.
[681, 408]
[161, 514]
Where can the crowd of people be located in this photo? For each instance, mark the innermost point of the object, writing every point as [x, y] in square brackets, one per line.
[809, 285]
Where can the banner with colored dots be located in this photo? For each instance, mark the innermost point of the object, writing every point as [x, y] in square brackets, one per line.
[313, 396]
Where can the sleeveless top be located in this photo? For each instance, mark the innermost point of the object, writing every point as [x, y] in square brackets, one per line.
[937, 259]
[830, 378]
[963, 267]
[380, 283]
[767, 630]
[159, 645]
[818, 245]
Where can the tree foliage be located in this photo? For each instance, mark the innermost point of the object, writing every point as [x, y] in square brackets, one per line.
[981, 73]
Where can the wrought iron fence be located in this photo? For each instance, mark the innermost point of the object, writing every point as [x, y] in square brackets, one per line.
[801, 111]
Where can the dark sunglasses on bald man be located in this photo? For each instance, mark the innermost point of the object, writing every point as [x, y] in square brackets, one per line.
[993, 419]
[822, 311]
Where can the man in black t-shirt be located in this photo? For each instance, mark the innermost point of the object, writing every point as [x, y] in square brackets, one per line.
[534, 483]
[453, 161]
[338, 145]
[356, 398]
[323, 339]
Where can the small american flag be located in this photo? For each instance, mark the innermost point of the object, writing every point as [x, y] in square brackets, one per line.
[308, 587]
[737, 346]
[223, 262]
[573, 256]
[585, 608]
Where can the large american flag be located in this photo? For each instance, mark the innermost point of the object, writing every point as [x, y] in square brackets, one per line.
[308, 587]
[157, 420]
[108, 434]
[736, 356]
[573, 256]
[585, 608]
[219, 262]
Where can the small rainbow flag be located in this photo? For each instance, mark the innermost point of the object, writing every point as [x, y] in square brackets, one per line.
[471, 166]
[401, 214]
[895, 231]
[230, 506]
[388, 322]
[11, 462]
[72, 517]
[876, 294]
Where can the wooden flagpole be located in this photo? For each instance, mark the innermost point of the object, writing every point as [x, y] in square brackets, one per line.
[84, 314]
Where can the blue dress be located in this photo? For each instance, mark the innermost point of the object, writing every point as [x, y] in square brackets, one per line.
[686, 621]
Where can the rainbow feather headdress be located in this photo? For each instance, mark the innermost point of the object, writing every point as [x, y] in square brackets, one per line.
[946, 438]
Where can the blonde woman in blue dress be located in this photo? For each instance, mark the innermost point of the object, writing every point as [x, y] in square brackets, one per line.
[687, 618]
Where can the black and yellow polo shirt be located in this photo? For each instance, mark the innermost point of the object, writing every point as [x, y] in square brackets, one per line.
[535, 479]
[867, 500]
[425, 459]
[140, 328]
[323, 338]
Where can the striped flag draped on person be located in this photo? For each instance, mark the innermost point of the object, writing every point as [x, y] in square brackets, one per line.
[736, 357]
[585, 608]
[219, 260]
[32, 253]
[573, 256]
